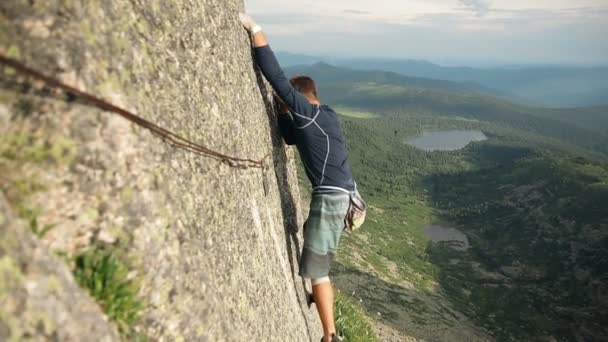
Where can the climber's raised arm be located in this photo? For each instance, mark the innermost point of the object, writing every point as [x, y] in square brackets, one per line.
[271, 69]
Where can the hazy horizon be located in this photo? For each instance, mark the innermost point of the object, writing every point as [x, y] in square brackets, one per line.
[481, 64]
[446, 32]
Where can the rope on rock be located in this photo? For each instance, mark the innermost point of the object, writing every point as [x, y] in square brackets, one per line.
[166, 135]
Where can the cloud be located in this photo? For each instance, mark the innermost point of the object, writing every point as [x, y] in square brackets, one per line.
[480, 7]
[358, 12]
[511, 31]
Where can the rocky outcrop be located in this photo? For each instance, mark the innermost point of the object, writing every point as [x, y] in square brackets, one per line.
[38, 296]
[214, 247]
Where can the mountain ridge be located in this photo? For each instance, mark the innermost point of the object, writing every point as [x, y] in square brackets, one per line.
[547, 86]
[324, 71]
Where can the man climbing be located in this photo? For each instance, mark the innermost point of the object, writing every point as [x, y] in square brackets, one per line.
[316, 132]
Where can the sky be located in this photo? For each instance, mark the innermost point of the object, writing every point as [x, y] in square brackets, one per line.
[453, 32]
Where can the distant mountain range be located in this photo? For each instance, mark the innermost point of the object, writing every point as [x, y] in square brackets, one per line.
[547, 86]
[324, 72]
[389, 92]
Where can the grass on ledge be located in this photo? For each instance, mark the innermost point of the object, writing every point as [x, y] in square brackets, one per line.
[351, 321]
[107, 279]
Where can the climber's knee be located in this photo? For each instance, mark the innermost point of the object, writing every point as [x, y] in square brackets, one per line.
[319, 281]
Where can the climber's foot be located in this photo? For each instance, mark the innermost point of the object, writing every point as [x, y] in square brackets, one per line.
[334, 338]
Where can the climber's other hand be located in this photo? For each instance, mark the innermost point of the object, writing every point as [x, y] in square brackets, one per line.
[282, 106]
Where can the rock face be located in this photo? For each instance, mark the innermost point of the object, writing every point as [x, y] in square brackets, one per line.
[215, 247]
[38, 295]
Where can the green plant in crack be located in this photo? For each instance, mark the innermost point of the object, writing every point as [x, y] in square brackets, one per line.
[107, 279]
[31, 215]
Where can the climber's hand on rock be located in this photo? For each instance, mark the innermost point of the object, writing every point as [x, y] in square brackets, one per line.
[249, 23]
[258, 37]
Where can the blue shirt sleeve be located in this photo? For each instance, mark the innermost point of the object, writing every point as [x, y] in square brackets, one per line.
[299, 105]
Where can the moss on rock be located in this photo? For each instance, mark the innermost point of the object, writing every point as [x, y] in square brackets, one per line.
[10, 275]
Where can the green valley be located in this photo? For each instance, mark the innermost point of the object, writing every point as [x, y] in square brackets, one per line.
[531, 200]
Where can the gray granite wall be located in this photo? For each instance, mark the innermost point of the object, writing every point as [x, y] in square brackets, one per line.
[215, 247]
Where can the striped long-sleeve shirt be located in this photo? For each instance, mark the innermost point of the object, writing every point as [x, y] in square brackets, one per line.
[315, 130]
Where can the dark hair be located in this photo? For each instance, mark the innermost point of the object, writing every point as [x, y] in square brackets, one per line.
[304, 85]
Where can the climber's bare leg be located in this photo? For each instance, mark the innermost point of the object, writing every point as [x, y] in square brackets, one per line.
[323, 295]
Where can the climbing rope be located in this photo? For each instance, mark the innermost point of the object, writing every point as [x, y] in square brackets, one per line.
[166, 135]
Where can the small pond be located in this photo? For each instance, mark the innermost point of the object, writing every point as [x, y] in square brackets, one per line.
[446, 140]
[457, 239]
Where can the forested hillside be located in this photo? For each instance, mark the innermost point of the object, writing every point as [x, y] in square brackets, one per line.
[531, 201]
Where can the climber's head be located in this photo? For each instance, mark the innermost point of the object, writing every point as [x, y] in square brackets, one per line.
[307, 87]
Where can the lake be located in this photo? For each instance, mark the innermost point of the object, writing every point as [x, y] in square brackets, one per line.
[457, 239]
[446, 140]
